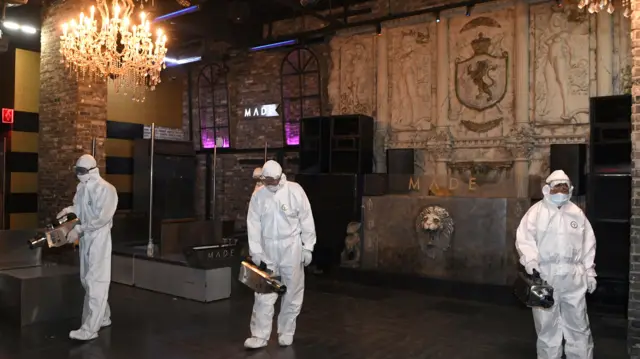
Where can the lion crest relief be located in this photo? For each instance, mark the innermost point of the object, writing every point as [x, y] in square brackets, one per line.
[434, 227]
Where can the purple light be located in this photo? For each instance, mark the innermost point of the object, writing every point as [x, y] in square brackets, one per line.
[209, 140]
[292, 132]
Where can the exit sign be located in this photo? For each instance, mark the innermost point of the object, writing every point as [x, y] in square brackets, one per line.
[7, 115]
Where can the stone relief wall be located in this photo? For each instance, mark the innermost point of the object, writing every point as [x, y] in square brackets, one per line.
[352, 79]
[481, 73]
[485, 94]
[559, 65]
[411, 52]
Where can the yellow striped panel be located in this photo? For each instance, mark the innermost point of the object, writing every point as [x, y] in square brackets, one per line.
[24, 141]
[23, 220]
[122, 183]
[118, 148]
[24, 182]
[27, 81]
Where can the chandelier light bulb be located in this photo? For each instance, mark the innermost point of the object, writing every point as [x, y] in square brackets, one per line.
[115, 51]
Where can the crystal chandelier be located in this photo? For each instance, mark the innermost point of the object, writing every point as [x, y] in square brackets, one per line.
[116, 50]
[594, 6]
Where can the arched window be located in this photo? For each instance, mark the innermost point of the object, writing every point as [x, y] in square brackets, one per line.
[301, 97]
[213, 106]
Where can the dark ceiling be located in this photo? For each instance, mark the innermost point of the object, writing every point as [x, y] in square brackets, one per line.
[237, 22]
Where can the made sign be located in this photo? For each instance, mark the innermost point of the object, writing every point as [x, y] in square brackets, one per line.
[270, 110]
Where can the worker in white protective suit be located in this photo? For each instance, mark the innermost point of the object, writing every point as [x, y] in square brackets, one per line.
[257, 173]
[555, 239]
[95, 204]
[282, 236]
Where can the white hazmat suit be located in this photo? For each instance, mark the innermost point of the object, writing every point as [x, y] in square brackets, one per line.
[282, 235]
[556, 239]
[95, 204]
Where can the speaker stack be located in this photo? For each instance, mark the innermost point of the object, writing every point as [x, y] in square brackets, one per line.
[609, 197]
[335, 154]
[399, 169]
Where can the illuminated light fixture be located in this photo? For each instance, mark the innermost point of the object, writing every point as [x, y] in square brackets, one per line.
[175, 62]
[379, 29]
[181, 12]
[110, 47]
[274, 45]
[438, 17]
[7, 115]
[28, 29]
[594, 6]
[10, 25]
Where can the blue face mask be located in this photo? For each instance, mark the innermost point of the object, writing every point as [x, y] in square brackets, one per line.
[559, 198]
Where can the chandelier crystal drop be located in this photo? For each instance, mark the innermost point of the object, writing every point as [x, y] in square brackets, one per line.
[595, 6]
[115, 50]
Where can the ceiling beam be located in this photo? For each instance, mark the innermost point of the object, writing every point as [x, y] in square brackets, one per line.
[295, 5]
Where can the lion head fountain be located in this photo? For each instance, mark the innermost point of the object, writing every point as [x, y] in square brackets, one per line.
[434, 227]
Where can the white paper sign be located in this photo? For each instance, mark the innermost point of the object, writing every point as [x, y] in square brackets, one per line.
[270, 110]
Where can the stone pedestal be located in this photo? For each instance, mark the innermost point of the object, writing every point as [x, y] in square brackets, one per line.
[72, 112]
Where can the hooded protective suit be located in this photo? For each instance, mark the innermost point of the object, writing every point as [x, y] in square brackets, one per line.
[556, 239]
[282, 235]
[95, 204]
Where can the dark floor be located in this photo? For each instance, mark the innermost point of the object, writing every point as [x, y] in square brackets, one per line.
[338, 321]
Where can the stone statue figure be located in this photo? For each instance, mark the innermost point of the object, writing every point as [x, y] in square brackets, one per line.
[350, 256]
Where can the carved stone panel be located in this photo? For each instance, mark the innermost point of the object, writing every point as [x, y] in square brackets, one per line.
[352, 78]
[481, 74]
[411, 61]
[559, 64]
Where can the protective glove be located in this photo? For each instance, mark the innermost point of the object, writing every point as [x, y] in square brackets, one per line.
[73, 236]
[592, 284]
[62, 213]
[529, 267]
[307, 256]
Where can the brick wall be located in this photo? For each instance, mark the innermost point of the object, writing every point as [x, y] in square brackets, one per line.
[72, 112]
[633, 331]
[253, 79]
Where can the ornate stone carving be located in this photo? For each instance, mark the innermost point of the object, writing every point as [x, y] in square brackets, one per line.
[434, 227]
[560, 63]
[410, 74]
[352, 78]
[483, 172]
[441, 146]
[482, 89]
[520, 142]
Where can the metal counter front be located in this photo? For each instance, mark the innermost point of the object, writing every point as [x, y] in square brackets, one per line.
[171, 274]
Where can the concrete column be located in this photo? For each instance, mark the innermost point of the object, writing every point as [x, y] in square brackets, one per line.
[72, 112]
[521, 113]
[604, 53]
[383, 114]
[633, 333]
[442, 152]
[442, 89]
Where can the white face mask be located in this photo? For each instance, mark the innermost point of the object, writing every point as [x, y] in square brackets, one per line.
[559, 199]
[83, 178]
[273, 188]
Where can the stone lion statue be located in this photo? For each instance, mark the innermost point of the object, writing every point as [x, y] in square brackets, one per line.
[435, 227]
[350, 256]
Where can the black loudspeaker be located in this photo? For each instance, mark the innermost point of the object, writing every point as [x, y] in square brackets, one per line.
[315, 139]
[351, 144]
[375, 184]
[572, 159]
[400, 161]
[399, 169]
[336, 200]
